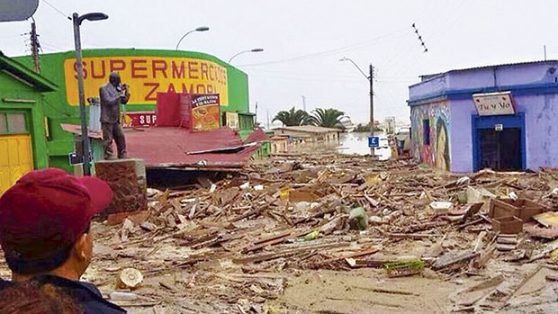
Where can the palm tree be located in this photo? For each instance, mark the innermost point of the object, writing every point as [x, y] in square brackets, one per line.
[292, 117]
[327, 118]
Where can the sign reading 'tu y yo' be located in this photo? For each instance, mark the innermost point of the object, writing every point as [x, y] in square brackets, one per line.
[493, 104]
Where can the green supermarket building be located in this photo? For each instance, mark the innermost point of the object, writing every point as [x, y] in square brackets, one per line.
[146, 71]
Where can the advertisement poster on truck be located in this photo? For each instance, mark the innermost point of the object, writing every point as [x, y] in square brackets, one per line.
[206, 112]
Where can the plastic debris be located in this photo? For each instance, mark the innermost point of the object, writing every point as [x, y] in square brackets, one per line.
[358, 219]
[312, 235]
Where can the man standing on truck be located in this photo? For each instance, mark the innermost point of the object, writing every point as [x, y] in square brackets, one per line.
[112, 95]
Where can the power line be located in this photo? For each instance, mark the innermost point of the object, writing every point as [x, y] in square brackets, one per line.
[52, 47]
[304, 74]
[57, 10]
[419, 37]
[325, 52]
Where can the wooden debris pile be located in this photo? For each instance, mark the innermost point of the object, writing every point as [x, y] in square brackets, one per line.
[235, 241]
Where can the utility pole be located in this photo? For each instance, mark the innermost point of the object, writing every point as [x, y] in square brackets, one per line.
[268, 119]
[256, 112]
[35, 47]
[304, 103]
[371, 79]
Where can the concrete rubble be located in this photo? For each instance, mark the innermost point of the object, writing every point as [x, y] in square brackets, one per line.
[257, 241]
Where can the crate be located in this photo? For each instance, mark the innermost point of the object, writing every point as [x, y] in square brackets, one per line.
[522, 208]
[507, 225]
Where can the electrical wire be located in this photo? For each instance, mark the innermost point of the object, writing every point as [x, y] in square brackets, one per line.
[57, 10]
[324, 52]
[50, 47]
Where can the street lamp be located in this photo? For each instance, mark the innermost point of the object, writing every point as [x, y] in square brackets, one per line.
[96, 16]
[246, 51]
[199, 29]
[370, 79]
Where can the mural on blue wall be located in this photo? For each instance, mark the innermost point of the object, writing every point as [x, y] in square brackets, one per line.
[436, 149]
[442, 145]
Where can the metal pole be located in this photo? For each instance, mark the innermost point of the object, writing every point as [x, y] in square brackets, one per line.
[372, 127]
[82, 115]
[238, 54]
[181, 38]
[256, 112]
[35, 47]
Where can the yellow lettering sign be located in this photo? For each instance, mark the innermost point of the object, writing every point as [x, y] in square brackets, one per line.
[147, 76]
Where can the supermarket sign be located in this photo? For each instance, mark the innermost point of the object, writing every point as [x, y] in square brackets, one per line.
[140, 119]
[146, 76]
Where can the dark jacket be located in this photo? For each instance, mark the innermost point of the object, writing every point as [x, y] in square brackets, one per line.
[85, 294]
[110, 103]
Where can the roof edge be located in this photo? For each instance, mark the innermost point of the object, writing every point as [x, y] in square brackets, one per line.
[38, 81]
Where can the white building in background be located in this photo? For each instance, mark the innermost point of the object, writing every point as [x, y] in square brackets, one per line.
[348, 125]
[389, 125]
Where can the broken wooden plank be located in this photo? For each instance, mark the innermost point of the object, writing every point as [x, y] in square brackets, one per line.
[272, 240]
[286, 253]
[388, 291]
[449, 260]
[342, 258]
[412, 235]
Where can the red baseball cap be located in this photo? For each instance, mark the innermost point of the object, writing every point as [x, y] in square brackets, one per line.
[47, 211]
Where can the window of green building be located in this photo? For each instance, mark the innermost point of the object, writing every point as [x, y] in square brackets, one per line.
[12, 123]
[246, 122]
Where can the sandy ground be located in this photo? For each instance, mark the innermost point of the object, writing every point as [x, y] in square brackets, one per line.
[365, 291]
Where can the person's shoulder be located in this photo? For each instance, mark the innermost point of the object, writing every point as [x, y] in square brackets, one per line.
[86, 294]
[5, 284]
[93, 302]
[96, 306]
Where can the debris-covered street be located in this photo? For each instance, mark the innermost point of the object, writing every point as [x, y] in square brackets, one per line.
[278, 157]
[333, 234]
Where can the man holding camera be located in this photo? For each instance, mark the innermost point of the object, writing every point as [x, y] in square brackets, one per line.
[112, 95]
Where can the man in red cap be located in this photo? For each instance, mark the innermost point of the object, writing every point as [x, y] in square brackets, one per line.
[44, 232]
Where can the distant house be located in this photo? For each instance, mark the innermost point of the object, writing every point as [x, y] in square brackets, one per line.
[502, 117]
[279, 144]
[309, 134]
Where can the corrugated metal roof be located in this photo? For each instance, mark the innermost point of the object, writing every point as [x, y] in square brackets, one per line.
[169, 147]
[22, 72]
[258, 135]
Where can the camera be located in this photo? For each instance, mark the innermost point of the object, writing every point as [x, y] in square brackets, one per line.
[123, 89]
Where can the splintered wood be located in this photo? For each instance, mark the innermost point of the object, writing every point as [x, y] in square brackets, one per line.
[235, 242]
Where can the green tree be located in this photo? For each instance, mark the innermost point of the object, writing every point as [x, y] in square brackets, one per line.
[365, 128]
[292, 117]
[327, 118]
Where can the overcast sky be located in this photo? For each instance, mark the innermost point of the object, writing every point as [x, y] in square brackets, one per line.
[304, 40]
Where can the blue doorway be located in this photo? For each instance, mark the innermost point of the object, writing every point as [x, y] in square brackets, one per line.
[499, 142]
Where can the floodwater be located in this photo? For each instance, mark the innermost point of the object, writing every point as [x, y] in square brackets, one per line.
[357, 143]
